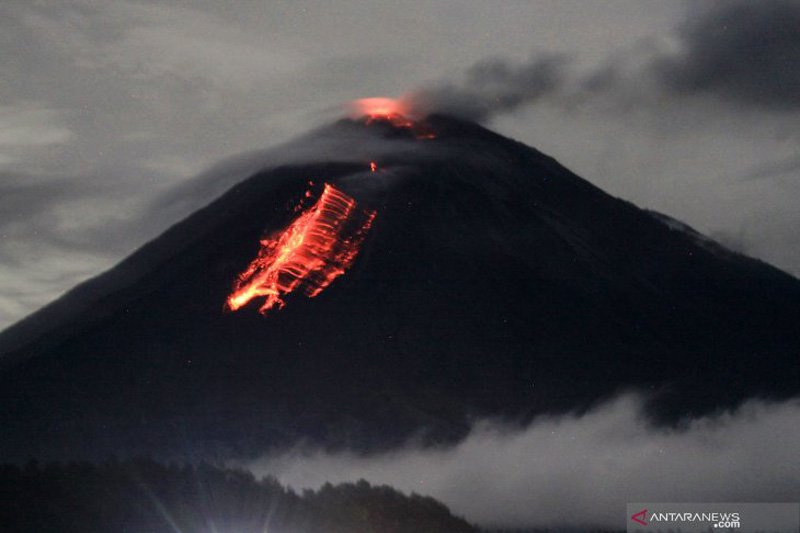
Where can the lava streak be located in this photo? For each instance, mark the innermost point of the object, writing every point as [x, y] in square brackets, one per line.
[315, 249]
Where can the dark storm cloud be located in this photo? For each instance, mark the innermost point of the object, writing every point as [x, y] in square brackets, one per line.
[595, 462]
[745, 51]
[494, 86]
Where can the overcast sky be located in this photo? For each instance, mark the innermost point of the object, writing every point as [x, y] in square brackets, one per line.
[692, 109]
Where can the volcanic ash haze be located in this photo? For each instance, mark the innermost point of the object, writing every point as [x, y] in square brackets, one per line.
[491, 282]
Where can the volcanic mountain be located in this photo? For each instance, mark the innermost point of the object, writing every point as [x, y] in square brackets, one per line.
[411, 276]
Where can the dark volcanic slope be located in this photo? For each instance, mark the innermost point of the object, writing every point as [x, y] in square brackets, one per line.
[494, 282]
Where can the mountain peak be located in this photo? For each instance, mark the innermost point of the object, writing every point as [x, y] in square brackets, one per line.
[487, 267]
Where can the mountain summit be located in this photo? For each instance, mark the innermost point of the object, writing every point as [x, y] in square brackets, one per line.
[472, 276]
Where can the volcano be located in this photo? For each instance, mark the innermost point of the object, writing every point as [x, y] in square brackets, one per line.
[480, 278]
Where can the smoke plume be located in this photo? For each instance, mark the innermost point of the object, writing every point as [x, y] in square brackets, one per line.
[747, 52]
[492, 87]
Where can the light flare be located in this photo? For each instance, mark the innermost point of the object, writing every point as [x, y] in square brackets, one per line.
[315, 249]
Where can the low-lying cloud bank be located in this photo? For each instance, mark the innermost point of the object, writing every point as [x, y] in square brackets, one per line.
[580, 469]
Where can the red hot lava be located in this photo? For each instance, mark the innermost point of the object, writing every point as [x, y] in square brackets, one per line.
[395, 112]
[315, 249]
[387, 109]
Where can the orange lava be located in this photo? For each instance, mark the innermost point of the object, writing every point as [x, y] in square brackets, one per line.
[315, 249]
[382, 109]
[395, 112]
[373, 166]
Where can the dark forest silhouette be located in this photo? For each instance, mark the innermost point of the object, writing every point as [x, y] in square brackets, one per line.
[141, 495]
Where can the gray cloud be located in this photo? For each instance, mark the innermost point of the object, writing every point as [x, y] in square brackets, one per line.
[327, 144]
[28, 130]
[741, 52]
[738, 241]
[771, 169]
[56, 231]
[78, 212]
[748, 52]
[580, 470]
[23, 196]
[494, 86]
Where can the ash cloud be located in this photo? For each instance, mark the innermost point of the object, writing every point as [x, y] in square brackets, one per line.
[747, 52]
[737, 52]
[494, 86]
[539, 475]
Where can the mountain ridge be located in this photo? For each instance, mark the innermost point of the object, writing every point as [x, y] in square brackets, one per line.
[494, 282]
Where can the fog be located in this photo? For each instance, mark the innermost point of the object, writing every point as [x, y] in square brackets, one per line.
[579, 470]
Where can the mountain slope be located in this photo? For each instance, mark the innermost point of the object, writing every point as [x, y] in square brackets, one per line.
[493, 282]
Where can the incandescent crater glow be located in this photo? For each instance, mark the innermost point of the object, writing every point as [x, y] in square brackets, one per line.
[395, 112]
[380, 108]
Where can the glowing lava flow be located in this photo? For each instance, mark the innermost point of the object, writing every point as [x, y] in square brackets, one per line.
[315, 249]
